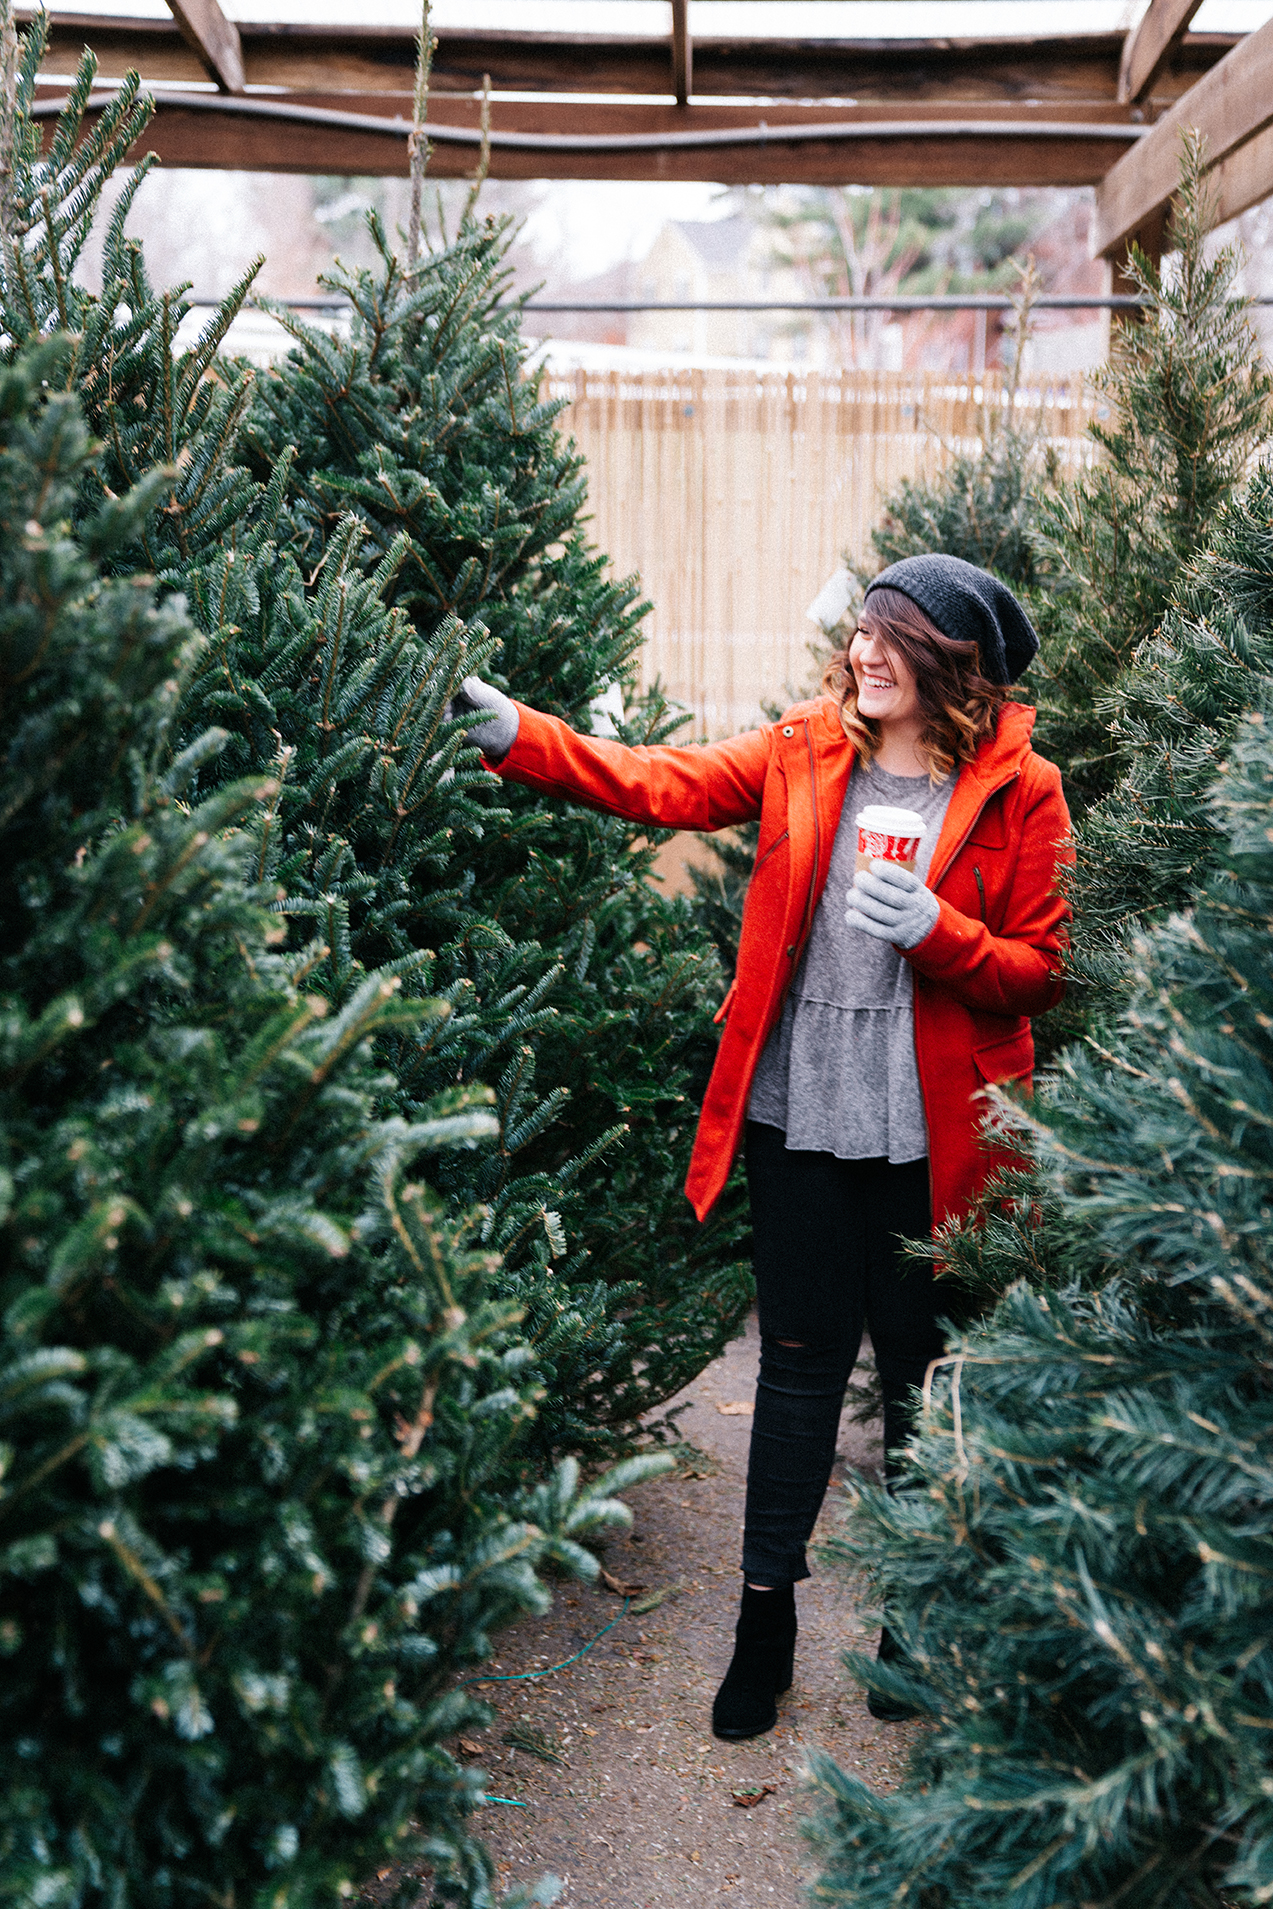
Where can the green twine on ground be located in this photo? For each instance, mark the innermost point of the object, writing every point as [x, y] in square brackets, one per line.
[522, 1676]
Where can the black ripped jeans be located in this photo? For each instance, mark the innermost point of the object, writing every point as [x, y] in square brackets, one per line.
[824, 1233]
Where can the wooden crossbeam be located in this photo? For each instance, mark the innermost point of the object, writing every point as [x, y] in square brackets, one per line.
[213, 39]
[543, 140]
[1229, 106]
[381, 59]
[1152, 44]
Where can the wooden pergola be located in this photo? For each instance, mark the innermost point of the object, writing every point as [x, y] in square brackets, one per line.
[1104, 110]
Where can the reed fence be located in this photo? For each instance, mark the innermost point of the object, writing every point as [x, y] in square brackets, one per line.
[735, 494]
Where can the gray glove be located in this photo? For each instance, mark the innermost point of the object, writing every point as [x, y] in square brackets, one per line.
[495, 722]
[892, 904]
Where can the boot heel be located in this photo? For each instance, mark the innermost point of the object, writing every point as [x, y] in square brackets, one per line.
[762, 1665]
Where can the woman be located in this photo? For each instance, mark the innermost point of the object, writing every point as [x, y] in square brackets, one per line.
[858, 1040]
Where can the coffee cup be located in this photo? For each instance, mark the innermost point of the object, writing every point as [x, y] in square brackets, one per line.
[889, 835]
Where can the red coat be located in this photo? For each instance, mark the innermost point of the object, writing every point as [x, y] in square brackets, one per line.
[993, 958]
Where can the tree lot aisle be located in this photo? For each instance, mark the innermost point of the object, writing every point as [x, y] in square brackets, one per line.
[640, 1815]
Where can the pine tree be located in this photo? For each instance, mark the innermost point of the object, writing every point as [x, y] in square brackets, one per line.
[1189, 404]
[563, 940]
[268, 1483]
[984, 504]
[258, 1396]
[1149, 844]
[1081, 1566]
[150, 405]
[423, 453]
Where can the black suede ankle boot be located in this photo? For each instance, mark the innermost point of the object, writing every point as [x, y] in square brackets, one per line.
[764, 1651]
[889, 1709]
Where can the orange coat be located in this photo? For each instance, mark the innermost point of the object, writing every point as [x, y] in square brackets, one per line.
[993, 958]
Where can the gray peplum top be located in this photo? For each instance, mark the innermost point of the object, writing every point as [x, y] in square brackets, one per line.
[838, 1073]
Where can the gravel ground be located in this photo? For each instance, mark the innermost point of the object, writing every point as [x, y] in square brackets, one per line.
[639, 1811]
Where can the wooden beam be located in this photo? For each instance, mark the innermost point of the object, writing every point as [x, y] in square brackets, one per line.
[1151, 45]
[682, 53]
[273, 136]
[213, 40]
[1245, 177]
[1229, 106]
[381, 59]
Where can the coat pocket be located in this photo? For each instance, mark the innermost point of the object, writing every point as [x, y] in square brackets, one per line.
[773, 847]
[1010, 1057]
[722, 1012]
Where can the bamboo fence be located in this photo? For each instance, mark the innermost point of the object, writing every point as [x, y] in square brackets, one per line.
[734, 494]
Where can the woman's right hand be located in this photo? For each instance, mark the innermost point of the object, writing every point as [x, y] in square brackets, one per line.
[494, 718]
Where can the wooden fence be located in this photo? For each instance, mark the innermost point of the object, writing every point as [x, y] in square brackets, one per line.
[735, 494]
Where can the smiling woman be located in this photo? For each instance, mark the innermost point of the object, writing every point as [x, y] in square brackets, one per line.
[872, 1005]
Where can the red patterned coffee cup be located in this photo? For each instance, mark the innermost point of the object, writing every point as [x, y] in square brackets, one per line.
[889, 835]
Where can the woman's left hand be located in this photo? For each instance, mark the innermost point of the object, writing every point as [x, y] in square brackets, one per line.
[892, 904]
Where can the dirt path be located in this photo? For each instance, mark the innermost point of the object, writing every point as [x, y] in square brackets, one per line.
[639, 1812]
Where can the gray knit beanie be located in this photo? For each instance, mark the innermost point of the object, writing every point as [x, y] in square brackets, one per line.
[969, 606]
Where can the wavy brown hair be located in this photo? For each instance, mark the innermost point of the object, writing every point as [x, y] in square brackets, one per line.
[959, 705]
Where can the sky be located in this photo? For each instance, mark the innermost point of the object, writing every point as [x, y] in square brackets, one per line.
[865, 19]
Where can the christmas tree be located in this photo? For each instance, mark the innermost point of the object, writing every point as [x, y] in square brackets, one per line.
[586, 995]
[424, 458]
[266, 1474]
[1188, 400]
[1080, 1565]
[1099, 555]
[983, 505]
[1148, 844]
[259, 1398]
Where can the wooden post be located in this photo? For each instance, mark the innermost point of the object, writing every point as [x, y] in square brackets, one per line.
[1151, 238]
[682, 53]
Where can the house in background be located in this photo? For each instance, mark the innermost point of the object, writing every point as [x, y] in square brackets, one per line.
[714, 259]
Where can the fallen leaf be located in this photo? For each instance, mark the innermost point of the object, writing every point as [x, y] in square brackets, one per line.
[383, 1875]
[618, 1586]
[748, 1799]
[468, 1748]
[737, 1408]
[695, 1857]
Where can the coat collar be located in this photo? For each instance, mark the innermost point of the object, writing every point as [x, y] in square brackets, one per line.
[997, 762]
[999, 755]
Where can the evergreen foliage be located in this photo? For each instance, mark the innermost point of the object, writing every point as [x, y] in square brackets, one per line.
[1147, 846]
[424, 459]
[1081, 1564]
[258, 1394]
[1189, 403]
[271, 1420]
[412, 467]
[983, 506]
[152, 407]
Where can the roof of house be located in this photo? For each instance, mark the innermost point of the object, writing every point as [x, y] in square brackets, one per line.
[718, 242]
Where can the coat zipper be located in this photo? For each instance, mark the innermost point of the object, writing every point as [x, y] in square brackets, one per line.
[981, 889]
[817, 843]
